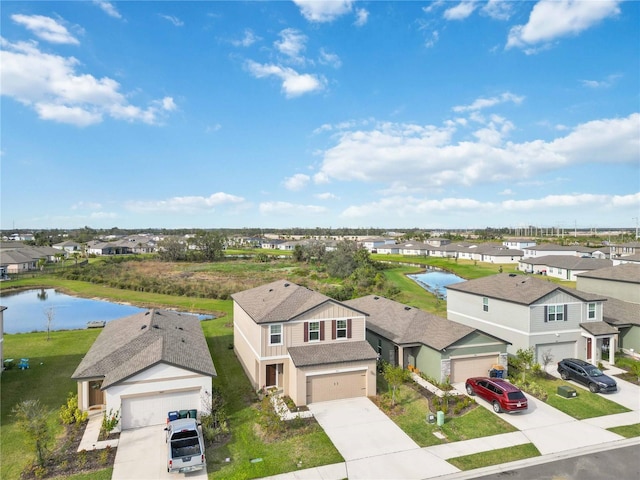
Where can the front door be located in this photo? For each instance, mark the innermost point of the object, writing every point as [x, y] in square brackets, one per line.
[588, 348]
[96, 396]
[271, 376]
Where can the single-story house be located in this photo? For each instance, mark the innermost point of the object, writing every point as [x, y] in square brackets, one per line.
[545, 249]
[530, 312]
[441, 349]
[564, 267]
[620, 281]
[146, 365]
[307, 345]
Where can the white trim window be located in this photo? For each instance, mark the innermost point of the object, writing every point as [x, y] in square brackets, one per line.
[275, 334]
[485, 304]
[314, 331]
[341, 329]
[591, 311]
[555, 313]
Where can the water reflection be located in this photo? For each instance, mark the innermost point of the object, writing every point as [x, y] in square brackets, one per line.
[436, 281]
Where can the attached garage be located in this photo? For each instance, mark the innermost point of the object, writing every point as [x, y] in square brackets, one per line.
[558, 351]
[466, 367]
[335, 386]
[151, 409]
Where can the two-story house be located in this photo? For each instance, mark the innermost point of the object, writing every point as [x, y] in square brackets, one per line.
[531, 312]
[306, 344]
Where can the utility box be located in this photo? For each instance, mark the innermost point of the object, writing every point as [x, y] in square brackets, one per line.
[440, 415]
[431, 418]
[566, 391]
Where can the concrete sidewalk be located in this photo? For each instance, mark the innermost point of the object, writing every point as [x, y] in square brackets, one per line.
[92, 432]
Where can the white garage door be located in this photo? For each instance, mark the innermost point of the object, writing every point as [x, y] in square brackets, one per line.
[334, 386]
[558, 351]
[463, 368]
[142, 411]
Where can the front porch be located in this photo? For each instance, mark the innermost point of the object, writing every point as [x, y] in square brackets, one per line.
[600, 342]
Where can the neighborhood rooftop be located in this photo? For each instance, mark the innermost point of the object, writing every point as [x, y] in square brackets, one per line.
[517, 288]
[129, 345]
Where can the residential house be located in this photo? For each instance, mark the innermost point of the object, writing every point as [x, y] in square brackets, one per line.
[146, 365]
[530, 312]
[495, 253]
[413, 248]
[625, 249]
[373, 243]
[552, 249]
[306, 344]
[389, 249]
[437, 241]
[564, 267]
[68, 246]
[628, 259]
[519, 243]
[441, 349]
[625, 317]
[17, 261]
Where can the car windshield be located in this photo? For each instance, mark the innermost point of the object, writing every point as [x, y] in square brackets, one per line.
[594, 372]
[515, 396]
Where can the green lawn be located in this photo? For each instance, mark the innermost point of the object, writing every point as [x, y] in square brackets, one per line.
[495, 457]
[412, 418]
[584, 405]
[627, 431]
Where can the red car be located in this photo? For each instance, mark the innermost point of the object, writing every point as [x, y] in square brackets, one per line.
[502, 395]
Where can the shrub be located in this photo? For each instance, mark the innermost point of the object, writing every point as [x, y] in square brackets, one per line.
[70, 413]
[110, 421]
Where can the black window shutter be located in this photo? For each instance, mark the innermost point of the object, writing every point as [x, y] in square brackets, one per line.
[306, 331]
[333, 329]
[546, 313]
[566, 311]
[349, 328]
[322, 330]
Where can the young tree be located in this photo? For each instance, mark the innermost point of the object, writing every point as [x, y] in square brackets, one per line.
[524, 360]
[31, 417]
[50, 314]
[395, 376]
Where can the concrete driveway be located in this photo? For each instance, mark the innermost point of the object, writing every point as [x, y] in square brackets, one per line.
[142, 455]
[372, 445]
[551, 430]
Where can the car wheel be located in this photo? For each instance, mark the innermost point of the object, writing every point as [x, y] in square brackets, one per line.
[593, 388]
[496, 407]
[564, 375]
[470, 390]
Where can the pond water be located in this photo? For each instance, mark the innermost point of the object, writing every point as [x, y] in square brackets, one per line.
[436, 281]
[29, 311]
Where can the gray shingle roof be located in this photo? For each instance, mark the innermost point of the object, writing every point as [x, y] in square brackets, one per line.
[409, 325]
[132, 344]
[569, 262]
[619, 313]
[519, 289]
[326, 353]
[278, 301]
[625, 272]
[599, 328]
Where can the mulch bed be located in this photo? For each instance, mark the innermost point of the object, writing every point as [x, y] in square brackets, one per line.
[629, 377]
[65, 460]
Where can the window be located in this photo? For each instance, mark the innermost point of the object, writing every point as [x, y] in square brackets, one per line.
[555, 313]
[275, 334]
[591, 311]
[485, 304]
[341, 329]
[314, 331]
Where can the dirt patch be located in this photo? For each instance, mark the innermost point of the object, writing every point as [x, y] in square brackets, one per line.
[65, 460]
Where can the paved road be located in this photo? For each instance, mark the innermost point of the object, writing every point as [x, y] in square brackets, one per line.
[621, 463]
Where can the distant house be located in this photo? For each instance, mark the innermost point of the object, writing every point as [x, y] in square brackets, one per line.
[17, 261]
[68, 246]
[628, 259]
[529, 312]
[519, 243]
[564, 267]
[442, 349]
[620, 281]
[546, 249]
[307, 345]
[413, 248]
[373, 243]
[146, 365]
[625, 249]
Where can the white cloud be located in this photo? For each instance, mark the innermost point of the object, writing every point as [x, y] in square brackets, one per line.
[294, 84]
[326, 196]
[86, 205]
[552, 19]
[506, 191]
[108, 8]
[362, 16]
[50, 85]
[297, 182]
[331, 59]
[461, 11]
[323, 11]
[187, 205]
[498, 9]
[247, 40]
[174, 20]
[213, 128]
[289, 209]
[46, 28]
[482, 103]
[606, 83]
[291, 43]
[418, 156]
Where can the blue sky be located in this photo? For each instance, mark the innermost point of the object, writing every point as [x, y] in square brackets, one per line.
[440, 114]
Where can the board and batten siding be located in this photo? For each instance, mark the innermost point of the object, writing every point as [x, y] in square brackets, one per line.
[575, 313]
[507, 315]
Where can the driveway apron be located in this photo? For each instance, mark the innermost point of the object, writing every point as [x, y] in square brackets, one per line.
[142, 455]
[372, 445]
